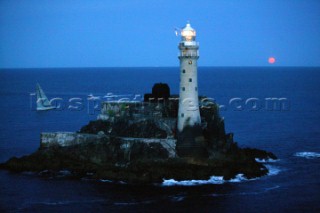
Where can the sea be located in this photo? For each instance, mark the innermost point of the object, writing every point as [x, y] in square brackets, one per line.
[270, 108]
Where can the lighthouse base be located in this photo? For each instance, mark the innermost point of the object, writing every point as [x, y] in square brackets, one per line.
[191, 143]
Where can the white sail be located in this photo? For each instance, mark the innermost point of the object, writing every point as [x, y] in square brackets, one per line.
[43, 102]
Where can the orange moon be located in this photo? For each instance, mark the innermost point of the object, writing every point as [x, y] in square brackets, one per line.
[271, 60]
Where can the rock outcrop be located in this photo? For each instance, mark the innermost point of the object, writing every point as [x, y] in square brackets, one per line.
[142, 163]
[139, 143]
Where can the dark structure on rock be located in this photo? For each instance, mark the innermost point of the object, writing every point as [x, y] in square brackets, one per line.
[160, 93]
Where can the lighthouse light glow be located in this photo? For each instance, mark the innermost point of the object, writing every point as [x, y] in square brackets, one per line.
[188, 34]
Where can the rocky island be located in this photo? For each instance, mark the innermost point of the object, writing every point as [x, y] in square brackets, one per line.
[138, 142]
[165, 136]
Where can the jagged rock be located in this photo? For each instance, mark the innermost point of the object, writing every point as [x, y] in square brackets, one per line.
[260, 154]
[203, 150]
[123, 128]
[144, 129]
[93, 127]
[144, 151]
[147, 164]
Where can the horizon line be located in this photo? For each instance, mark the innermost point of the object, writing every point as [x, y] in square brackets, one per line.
[88, 67]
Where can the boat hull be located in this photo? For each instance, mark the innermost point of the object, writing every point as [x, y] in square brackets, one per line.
[45, 108]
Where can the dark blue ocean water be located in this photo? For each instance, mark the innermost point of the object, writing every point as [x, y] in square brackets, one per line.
[290, 133]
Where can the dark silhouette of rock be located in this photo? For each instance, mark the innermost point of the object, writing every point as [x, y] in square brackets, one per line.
[93, 127]
[147, 163]
[201, 151]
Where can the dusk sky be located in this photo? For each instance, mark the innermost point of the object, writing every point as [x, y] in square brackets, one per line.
[140, 33]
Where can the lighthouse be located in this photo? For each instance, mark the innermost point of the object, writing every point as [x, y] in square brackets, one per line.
[188, 113]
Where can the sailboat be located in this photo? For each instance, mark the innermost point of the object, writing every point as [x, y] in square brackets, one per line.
[42, 101]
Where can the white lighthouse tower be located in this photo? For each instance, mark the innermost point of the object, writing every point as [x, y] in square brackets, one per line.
[188, 113]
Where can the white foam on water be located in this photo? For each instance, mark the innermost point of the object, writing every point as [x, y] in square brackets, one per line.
[110, 181]
[273, 170]
[64, 173]
[106, 181]
[212, 180]
[269, 160]
[239, 178]
[307, 155]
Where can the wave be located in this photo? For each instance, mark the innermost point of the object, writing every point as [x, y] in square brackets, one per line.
[273, 170]
[111, 181]
[106, 181]
[212, 180]
[240, 178]
[307, 155]
[215, 180]
[269, 160]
